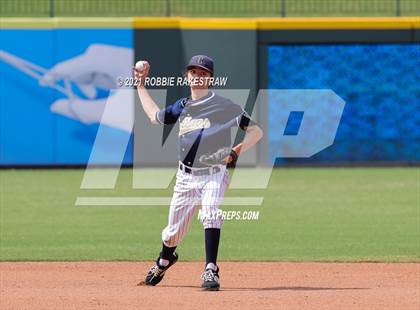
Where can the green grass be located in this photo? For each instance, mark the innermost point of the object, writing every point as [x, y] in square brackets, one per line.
[236, 8]
[336, 214]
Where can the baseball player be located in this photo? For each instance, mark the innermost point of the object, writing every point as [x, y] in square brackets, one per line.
[204, 150]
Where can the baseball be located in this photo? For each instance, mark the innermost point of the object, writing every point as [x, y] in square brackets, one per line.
[140, 65]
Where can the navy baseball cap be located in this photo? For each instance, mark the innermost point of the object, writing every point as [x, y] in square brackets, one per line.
[201, 61]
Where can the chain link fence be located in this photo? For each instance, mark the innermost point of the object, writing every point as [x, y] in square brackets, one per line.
[208, 8]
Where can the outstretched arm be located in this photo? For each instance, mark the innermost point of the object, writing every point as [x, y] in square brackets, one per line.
[149, 105]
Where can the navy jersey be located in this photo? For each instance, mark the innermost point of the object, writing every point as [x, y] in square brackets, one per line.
[204, 125]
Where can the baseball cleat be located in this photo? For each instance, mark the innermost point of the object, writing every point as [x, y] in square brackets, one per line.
[157, 272]
[210, 279]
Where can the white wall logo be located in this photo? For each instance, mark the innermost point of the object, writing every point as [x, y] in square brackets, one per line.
[189, 124]
[89, 73]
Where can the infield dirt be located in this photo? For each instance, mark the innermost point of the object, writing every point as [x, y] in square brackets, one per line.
[245, 285]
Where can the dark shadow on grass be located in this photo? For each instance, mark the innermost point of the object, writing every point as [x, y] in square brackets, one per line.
[276, 288]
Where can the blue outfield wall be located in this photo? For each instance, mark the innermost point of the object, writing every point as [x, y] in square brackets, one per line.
[380, 84]
[32, 131]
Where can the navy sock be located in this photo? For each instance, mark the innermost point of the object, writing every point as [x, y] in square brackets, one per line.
[212, 237]
[167, 252]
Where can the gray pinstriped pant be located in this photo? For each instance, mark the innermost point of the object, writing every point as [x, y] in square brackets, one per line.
[189, 193]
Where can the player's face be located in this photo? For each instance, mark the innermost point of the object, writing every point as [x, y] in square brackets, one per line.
[198, 78]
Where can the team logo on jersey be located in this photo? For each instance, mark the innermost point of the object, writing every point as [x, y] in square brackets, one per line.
[189, 124]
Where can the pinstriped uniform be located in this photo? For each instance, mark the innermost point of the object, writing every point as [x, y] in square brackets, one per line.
[205, 127]
[190, 193]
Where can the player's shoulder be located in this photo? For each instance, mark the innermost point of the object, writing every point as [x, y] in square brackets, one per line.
[181, 102]
[227, 104]
[221, 99]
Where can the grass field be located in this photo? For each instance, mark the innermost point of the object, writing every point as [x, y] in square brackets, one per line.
[336, 214]
[237, 8]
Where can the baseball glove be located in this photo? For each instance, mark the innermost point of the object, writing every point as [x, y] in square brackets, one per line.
[223, 156]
